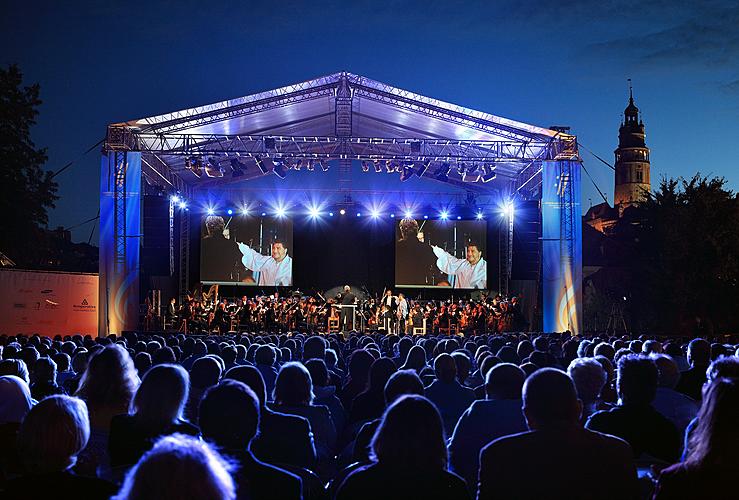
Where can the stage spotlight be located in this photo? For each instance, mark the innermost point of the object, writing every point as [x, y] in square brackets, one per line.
[408, 214]
[298, 164]
[392, 216]
[461, 167]
[212, 169]
[416, 147]
[374, 213]
[330, 214]
[244, 211]
[323, 165]
[508, 210]
[342, 211]
[359, 214]
[406, 173]
[479, 215]
[264, 214]
[314, 213]
[442, 174]
[195, 166]
[175, 199]
[210, 211]
[444, 215]
[183, 204]
[365, 166]
[262, 166]
[471, 173]
[488, 173]
[237, 168]
[280, 212]
[378, 166]
[389, 167]
[230, 212]
[425, 216]
[269, 143]
[279, 169]
[459, 217]
[310, 165]
[424, 166]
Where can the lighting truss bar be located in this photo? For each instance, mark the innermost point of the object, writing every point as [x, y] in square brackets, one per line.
[353, 148]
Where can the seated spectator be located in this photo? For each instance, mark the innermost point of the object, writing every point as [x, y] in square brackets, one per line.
[229, 418]
[294, 395]
[539, 463]
[678, 407]
[464, 365]
[650, 434]
[709, 470]
[450, 397]
[64, 369]
[51, 436]
[15, 403]
[401, 383]
[282, 439]
[17, 368]
[589, 378]
[416, 360]
[325, 393]
[691, 382]
[179, 467]
[107, 387]
[370, 404]
[205, 373]
[488, 419]
[360, 363]
[44, 379]
[409, 458]
[265, 362]
[156, 410]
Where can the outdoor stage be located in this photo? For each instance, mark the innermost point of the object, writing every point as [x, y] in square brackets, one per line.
[328, 169]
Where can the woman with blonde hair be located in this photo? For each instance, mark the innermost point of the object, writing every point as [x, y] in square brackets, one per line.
[107, 387]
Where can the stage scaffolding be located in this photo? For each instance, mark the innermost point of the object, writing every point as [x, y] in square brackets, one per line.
[339, 120]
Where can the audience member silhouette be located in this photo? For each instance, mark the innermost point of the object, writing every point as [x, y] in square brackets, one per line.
[15, 403]
[409, 457]
[370, 404]
[156, 410]
[691, 381]
[450, 397]
[485, 420]
[229, 418]
[177, 467]
[567, 461]
[678, 407]
[589, 378]
[52, 435]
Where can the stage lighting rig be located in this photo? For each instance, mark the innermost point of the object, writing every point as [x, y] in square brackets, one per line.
[423, 168]
[279, 169]
[261, 165]
[378, 166]
[298, 164]
[323, 165]
[236, 167]
[269, 143]
[195, 166]
[365, 166]
[310, 165]
[407, 172]
[212, 168]
[471, 173]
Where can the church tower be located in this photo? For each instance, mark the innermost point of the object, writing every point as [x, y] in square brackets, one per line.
[632, 159]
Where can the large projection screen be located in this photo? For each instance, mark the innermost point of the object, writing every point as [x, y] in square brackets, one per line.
[440, 253]
[244, 250]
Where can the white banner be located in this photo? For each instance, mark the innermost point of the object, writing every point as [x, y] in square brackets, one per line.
[48, 303]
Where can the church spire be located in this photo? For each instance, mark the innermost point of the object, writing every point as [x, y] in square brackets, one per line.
[632, 158]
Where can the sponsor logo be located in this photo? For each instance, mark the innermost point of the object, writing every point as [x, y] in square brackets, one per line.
[84, 306]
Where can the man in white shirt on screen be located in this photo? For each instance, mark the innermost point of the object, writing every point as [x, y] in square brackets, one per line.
[275, 269]
[471, 272]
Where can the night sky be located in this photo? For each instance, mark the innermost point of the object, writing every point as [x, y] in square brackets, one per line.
[544, 63]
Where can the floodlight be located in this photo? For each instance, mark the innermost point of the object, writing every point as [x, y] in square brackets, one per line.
[444, 215]
[279, 169]
[260, 163]
[342, 211]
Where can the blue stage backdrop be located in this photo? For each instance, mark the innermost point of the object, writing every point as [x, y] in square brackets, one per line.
[120, 234]
[561, 247]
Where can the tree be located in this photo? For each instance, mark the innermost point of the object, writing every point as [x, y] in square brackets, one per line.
[682, 254]
[26, 190]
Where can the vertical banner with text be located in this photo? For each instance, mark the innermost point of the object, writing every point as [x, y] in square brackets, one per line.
[561, 246]
[120, 236]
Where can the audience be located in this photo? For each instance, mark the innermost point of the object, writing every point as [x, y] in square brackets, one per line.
[229, 418]
[409, 457]
[373, 429]
[565, 460]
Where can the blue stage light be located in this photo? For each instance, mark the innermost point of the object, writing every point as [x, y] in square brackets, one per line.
[210, 211]
[183, 204]
[425, 216]
[374, 213]
[507, 210]
[479, 215]
[444, 215]
[314, 213]
[392, 216]
[264, 214]
[175, 199]
[244, 211]
[459, 217]
[280, 212]
[330, 214]
[342, 211]
[230, 212]
[408, 214]
[359, 214]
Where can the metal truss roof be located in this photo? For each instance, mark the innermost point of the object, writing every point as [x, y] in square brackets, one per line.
[338, 117]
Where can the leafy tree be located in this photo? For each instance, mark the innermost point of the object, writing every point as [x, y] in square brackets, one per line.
[682, 255]
[26, 190]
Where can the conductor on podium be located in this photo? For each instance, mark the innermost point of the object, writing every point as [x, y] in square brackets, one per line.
[347, 313]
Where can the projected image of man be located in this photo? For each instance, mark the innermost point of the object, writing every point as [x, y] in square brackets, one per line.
[414, 260]
[220, 260]
[275, 269]
[470, 272]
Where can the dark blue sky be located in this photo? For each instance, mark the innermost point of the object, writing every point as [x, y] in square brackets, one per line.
[545, 63]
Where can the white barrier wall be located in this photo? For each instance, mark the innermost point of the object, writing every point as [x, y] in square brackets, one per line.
[48, 303]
